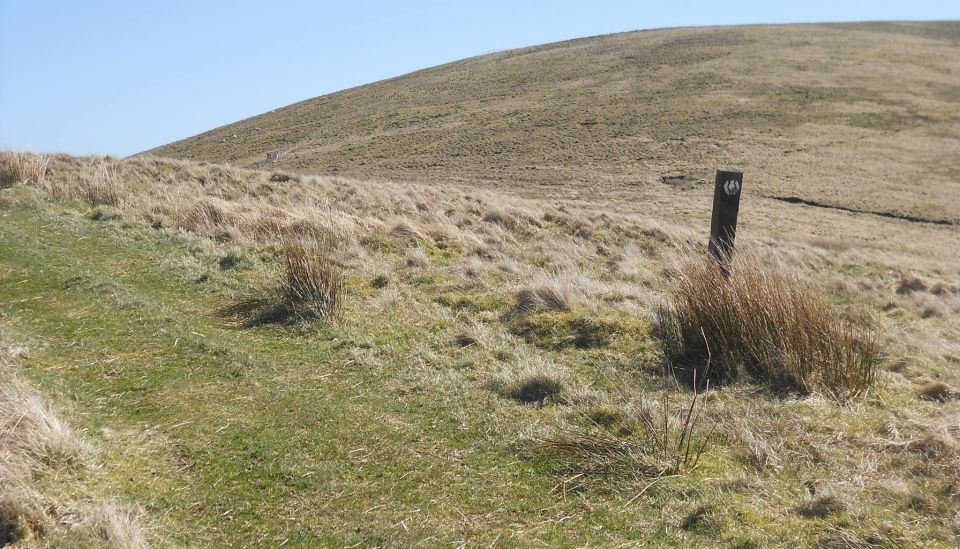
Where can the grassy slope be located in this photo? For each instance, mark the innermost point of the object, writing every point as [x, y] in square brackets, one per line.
[381, 429]
[858, 115]
[244, 437]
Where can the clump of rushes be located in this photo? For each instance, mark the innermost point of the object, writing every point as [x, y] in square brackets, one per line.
[764, 321]
[20, 167]
[311, 282]
[100, 183]
[310, 287]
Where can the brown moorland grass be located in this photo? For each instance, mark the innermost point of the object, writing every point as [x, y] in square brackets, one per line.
[764, 321]
[21, 167]
[806, 110]
[938, 391]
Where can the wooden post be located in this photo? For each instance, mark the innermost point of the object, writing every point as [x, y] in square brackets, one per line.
[723, 223]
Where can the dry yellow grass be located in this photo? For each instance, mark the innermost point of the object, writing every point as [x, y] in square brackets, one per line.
[36, 442]
[100, 183]
[19, 167]
[548, 293]
[535, 382]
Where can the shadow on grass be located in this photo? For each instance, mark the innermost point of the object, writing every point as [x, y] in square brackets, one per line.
[251, 312]
[263, 311]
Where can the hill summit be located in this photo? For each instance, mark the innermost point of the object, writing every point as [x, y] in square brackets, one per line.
[808, 111]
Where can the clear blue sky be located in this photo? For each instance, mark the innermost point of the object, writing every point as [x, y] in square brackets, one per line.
[120, 77]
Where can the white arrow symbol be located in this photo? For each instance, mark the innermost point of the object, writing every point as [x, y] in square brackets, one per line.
[731, 187]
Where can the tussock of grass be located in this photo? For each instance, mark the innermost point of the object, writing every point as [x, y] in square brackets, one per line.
[278, 177]
[474, 267]
[416, 257]
[764, 321]
[930, 445]
[696, 519]
[311, 281]
[31, 428]
[821, 507]
[100, 183]
[598, 452]
[535, 388]
[533, 384]
[231, 259]
[438, 232]
[938, 391]
[380, 281]
[21, 167]
[509, 218]
[310, 287]
[403, 229]
[547, 294]
[465, 340]
[201, 215]
[116, 525]
[909, 284]
[11, 520]
[105, 213]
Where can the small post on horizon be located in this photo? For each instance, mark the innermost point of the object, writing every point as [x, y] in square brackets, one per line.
[723, 223]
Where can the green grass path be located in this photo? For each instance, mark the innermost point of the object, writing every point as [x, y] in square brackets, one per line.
[226, 435]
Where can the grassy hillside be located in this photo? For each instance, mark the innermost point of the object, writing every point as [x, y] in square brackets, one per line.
[470, 306]
[862, 116]
[494, 372]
